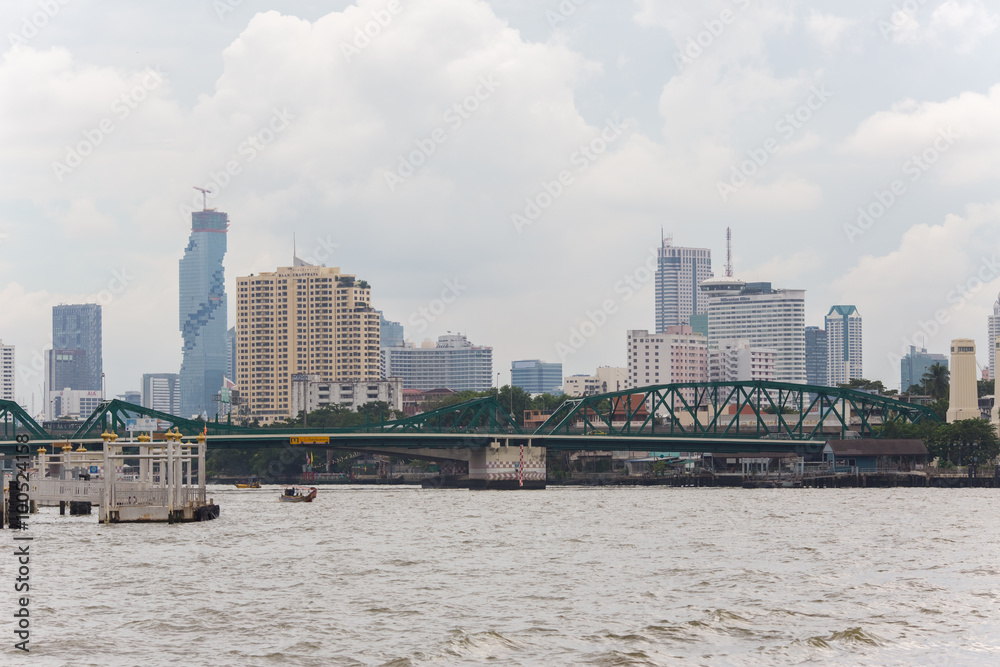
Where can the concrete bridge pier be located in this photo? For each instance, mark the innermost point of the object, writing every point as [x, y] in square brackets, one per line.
[507, 464]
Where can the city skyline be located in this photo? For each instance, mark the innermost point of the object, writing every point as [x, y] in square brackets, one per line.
[820, 212]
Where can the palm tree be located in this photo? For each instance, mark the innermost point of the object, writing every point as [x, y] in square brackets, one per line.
[936, 381]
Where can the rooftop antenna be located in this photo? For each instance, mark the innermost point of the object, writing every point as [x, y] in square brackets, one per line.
[729, 252]
[204, 197]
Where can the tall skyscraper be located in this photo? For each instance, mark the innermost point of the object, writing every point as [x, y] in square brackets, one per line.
[843, 343]
[993, 331]
[454, 363]
[817, 357]
[231, 353]
[75, 360]
[536, 377]
[302, 320]
[915, 365]
[203, 313]
[679, 272]
[772, 319]
[6, 372]
[162, 391]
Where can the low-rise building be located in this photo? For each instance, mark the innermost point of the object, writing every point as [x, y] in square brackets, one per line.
[607, 379]
[311, 392]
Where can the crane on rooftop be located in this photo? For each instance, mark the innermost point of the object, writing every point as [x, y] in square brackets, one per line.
[204, 198]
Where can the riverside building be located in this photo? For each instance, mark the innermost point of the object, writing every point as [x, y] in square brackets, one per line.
[301, 320]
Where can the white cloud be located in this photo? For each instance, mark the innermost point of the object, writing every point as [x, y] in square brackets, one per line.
[939, 284]
[828, 29]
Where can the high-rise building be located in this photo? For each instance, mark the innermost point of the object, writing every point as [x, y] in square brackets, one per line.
[737, 361]
[963, 400]
[75, 360]
[679, 272]
[162, 392]
[454, 363]
[817, 357]
[203, 313]
[6, 372]
[843, 344]
[915, 365]
[231, 353]
[771, 319]
[993, 331]
[536, 377]
[301, 320]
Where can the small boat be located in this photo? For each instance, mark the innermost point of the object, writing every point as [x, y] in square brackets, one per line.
[298, 494]
[252, 483]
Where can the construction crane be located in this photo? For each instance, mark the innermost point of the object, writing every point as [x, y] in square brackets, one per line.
[204, 197]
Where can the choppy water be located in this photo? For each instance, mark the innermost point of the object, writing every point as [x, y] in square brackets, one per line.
[400, 576]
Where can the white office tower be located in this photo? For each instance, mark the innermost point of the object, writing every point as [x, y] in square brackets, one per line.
[964, 399]
[771, 319]
[6, 372]
[679, 271]
[843, 345]
[993, 330]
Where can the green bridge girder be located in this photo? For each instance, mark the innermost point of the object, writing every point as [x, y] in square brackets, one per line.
[15, 420]
[681, 412]
[702, 409]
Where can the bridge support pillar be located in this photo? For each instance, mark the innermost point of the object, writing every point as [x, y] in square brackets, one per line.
[506, 464]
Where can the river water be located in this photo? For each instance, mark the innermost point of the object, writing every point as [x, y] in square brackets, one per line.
[568, 576]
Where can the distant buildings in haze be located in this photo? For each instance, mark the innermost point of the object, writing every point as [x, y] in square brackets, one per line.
[915, 365]
[162, 392]
[537, 377]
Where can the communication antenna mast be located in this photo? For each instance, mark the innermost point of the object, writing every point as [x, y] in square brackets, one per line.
[204, 197]
[729, 252]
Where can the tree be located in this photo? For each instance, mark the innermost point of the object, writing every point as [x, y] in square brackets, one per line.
[864, 385]
[966, 442]
[985, 387]
[936, 381]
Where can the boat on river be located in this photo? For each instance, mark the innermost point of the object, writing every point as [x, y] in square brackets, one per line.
[251, 483]
[298, 494]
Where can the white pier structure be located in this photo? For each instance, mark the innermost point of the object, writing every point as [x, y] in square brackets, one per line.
[169, 486]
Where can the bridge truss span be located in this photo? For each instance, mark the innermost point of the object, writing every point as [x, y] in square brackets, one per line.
[751, 410]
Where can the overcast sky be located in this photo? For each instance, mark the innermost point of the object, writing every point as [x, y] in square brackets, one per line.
[781, 119]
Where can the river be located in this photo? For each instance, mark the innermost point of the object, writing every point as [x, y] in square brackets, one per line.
[568, 576]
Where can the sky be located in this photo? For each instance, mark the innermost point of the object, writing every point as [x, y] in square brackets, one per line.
[502, 169]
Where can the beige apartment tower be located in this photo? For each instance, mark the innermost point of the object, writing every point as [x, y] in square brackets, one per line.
[964, 399]
[302, 320]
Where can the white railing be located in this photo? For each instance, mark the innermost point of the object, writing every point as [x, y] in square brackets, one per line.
[57, 490]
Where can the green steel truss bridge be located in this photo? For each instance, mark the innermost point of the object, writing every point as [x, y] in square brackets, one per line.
[723, 417]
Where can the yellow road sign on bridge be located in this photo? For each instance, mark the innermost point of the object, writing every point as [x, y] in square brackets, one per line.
[310, 440]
